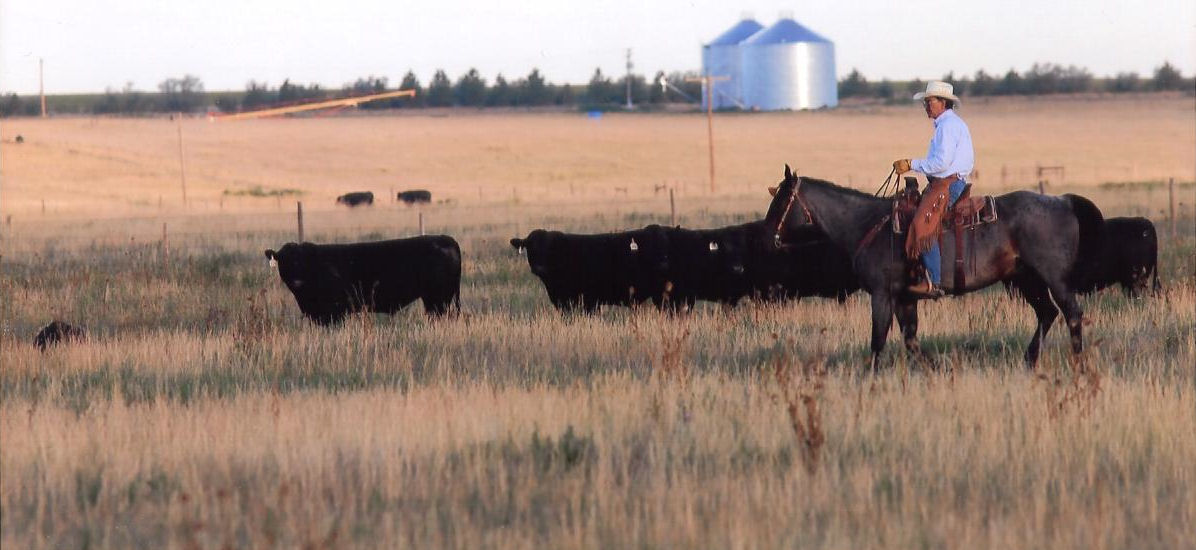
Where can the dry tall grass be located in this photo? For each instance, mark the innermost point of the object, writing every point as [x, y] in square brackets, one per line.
[203, 411]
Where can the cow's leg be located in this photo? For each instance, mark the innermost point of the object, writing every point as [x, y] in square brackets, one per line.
[907, 319]
[1036, 294]
[882, 321]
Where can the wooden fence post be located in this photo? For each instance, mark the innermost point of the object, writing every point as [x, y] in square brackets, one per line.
[1171, 204]
[421, 223]
[299, 216]
[1041, 187]
[672, 209]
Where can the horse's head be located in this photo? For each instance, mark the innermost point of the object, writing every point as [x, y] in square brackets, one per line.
[785, 196]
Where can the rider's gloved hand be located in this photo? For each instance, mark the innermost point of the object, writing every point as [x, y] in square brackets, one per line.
[901, 166]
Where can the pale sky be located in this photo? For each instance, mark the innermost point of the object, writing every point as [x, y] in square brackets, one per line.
[92, 45]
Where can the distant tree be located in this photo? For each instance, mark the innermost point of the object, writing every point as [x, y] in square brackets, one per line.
[109, 103]
[10, 106]
[982, 84]
[290, 93]
[470, 90]
[410, 82]
[855, 85]
[884, 90]
[1124, 82]
[600, 90]
[257, 94]
[134, 101]
[1010, 84]
[533, 90]
[182, 94]
[500, 94]
[1167, 77]
[440, 90]
[565, 95]
[912, 87]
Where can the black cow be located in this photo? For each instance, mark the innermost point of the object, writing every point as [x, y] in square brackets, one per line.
[591, 270]
[331, 280]
[356, 198]
[729, 263]
[1131, 257]
[808, 265]
[415, 196]
[706, 264]
[57, 331]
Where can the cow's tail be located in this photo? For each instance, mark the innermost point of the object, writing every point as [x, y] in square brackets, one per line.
[1092, 241]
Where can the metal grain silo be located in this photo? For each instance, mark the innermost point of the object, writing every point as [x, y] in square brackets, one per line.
[788, 66]
[721, 57]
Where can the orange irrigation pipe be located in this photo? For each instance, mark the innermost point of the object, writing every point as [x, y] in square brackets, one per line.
[343, 102]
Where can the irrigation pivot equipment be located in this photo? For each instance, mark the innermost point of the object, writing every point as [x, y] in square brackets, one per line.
[323, 104]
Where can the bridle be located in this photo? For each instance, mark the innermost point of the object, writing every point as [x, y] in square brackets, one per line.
[793, 197]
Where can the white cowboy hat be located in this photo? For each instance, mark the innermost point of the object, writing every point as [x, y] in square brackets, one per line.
[938, 88]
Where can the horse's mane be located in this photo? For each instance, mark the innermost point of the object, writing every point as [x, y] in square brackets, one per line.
[838, 188]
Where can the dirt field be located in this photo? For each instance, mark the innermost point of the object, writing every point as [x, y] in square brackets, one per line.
[204, 411]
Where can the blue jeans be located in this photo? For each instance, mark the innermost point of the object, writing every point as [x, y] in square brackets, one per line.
[932, 259]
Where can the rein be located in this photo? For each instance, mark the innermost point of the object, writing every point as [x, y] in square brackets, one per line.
[776, 237]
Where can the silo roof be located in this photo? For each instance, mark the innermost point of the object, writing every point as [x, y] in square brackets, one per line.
[783, 32]
[740, 32]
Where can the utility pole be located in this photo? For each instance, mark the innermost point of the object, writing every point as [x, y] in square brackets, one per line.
[41, 83]
[708, 83]
[629, 65]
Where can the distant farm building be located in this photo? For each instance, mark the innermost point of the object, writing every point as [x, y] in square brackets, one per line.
[783, 67]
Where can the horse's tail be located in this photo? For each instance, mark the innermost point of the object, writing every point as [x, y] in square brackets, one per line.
[1092, 242]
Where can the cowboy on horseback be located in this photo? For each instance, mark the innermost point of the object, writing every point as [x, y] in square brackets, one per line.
[948, 162]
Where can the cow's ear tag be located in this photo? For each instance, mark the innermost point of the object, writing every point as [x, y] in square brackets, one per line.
[273, 263]
[522, 251]
[713, 246]
[634, 246]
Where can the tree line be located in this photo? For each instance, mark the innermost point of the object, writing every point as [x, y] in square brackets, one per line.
[187, 94]
[1041, 79]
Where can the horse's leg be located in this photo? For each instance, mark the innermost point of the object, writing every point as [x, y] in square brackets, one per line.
[907, 319]
[882, 320]
[1036, 294]
[1074, 315]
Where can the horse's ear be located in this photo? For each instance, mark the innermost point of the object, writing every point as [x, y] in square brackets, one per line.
[772, 191]
[788, 172]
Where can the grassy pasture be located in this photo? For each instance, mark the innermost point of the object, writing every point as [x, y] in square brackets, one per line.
[204, 411]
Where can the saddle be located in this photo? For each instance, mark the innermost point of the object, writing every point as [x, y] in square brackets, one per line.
[967, 213]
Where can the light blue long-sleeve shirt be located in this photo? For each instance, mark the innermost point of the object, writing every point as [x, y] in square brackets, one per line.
[950, 151]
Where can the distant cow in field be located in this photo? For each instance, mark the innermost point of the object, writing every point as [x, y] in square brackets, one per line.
[1131, 257]
[356, 198]
[587, 271]
[56, 332]
[414, 196]
[332, 280]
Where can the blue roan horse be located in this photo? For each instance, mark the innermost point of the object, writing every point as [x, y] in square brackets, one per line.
[1045, 246]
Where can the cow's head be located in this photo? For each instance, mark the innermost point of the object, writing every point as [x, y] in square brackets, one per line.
[646, 255]
[537, 247]
[294, 262]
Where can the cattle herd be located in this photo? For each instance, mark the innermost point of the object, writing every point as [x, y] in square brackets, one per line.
[366, 198]
[671, 267]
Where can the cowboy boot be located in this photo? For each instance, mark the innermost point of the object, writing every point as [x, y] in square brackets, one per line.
[925, 289]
